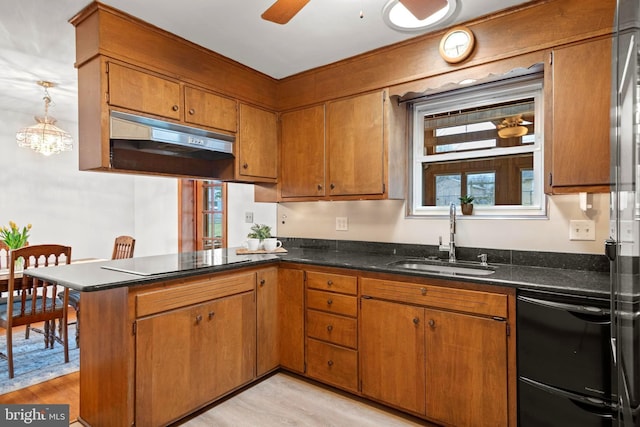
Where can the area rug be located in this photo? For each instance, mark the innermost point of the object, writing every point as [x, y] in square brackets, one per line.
[32, 363]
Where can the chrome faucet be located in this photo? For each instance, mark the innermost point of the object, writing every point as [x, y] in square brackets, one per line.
[452, 232]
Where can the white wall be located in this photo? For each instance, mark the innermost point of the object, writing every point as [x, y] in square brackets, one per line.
[239, 201]
[85, 210]
[385, 221]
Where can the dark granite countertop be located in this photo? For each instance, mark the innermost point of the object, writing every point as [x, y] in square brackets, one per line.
[94, 276]
[558, 280]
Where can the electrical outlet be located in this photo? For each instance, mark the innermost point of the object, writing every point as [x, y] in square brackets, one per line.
[248, 217]
[342, 223]
[582, 230]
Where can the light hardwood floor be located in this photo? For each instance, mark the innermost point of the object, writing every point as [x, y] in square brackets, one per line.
[285, 400]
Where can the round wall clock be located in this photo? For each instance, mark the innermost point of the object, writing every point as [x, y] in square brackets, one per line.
[457, 44]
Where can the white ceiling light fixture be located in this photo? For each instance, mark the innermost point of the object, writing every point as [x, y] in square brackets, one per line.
[45, 137]
[398, 17]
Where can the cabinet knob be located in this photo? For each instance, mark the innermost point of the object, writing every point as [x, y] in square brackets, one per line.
[319, 187]
[330, 363]
[329, 282]
[423, 291]
[330, 328]
[432, 323]
[211, 314]
[192, 111]
[329, 301]
[198, 318]
[332, 186]
[245, 166]
[175, 108]
[262, 282]
[416, 320]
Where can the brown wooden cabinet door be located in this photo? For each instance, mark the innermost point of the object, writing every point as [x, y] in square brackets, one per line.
[257, 144]
[143, 92]
[466, 369]
[291, 318]
[581, 115]
[187, 357]
[166, 357]
[228, 358]
[356, 145]
[208, 109]
[267, 314]
[392, 353]
[302, 169]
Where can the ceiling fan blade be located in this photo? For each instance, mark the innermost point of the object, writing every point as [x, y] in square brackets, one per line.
[422, 9]
[283, 10]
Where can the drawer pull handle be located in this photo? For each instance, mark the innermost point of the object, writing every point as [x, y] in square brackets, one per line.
[416, 320]
[329, 301]
[432, 323]
[319, 187]
[330, 328]
[423, 291]
[245, 166]
[175, 108]
[211, 314]
[329, 282]
[262, 282]
[330, 363]
[192, 111]
[198, 319]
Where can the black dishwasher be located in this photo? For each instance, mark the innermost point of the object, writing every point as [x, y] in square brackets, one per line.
[565, 367]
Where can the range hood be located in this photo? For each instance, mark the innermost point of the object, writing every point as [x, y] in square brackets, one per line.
[141, 144]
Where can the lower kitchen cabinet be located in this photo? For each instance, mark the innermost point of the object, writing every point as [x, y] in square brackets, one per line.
[466, 360]
[291, 318]
[187, 357]
[268, 357]
[447, 366]
[392, 350]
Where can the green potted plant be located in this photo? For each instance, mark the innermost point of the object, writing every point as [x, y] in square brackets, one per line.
[258, 233]
[466, 204]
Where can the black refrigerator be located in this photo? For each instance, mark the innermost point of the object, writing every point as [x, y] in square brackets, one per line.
[623, 246]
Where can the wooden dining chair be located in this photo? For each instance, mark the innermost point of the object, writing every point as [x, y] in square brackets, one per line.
[4, 255]
[122, 248]
[31, 300]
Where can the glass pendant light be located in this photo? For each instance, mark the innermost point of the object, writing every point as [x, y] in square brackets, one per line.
[45, 137]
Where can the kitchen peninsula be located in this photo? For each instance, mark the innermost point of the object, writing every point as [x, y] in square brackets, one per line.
[158, 345]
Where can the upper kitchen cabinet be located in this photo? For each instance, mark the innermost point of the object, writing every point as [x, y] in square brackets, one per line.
[208, 109]
[355, 131]
[302, 159]
[257, 145]
[577, 135]
[148, 93]
[350, 148]
[143, 92]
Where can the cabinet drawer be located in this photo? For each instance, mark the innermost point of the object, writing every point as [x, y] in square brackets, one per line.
[477, 302]
[333, 303]
[332, 364]
[332, 282]
[192, 292]
[335, 329]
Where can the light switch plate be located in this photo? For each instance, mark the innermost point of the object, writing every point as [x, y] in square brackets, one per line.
[582, 229]
[248, 217]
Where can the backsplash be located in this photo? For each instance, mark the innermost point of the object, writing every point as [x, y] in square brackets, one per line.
[573, 261]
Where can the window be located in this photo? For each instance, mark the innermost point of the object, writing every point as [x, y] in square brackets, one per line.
[203, 222]
[485, 142]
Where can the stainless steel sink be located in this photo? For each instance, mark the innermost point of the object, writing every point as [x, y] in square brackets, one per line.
[467, 269]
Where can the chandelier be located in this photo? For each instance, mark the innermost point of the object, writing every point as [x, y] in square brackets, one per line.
[45, 137]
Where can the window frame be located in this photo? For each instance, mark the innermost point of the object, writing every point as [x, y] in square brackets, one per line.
[530, 86]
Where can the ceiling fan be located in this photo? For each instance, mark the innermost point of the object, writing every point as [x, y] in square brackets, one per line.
[283, 10]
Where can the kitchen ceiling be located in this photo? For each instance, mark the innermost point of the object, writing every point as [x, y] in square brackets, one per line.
[37, 42]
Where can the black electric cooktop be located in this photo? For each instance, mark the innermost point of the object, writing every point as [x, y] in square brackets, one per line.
[163, 264]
